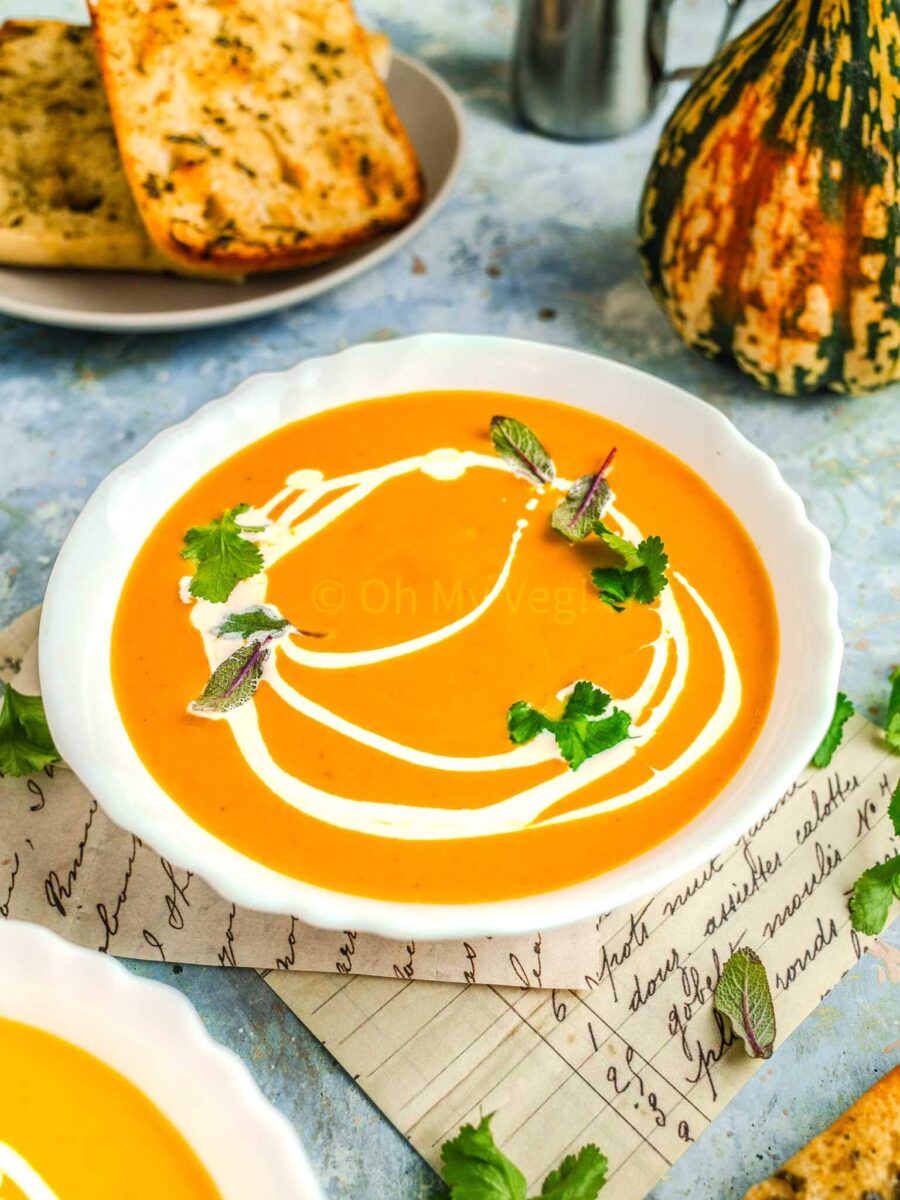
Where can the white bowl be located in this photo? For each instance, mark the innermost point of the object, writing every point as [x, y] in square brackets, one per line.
[150, 1034]
[87, 579]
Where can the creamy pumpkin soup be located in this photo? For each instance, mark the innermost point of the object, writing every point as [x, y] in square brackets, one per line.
[71, 1128]
[414, 648]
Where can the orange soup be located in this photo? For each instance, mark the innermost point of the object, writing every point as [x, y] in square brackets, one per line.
[71, 1128]
[410, 588]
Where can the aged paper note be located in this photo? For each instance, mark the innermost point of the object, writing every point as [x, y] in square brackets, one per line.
[635, 1058]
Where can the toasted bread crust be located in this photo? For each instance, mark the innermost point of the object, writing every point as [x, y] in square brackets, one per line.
[64, 200]
[256, 134]
[856, 1158]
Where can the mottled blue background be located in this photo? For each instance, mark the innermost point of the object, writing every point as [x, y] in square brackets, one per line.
[537, 242]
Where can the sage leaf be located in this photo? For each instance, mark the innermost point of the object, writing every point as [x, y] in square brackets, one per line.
[235, 680]
[743, 996]
[261, 619]
[516, 443]
[585, 503]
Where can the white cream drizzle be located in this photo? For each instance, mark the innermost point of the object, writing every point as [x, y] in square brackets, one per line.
[23, 1175]
[291, 529]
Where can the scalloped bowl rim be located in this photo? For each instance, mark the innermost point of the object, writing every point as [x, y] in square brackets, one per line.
[152, 1035]
[85, 584]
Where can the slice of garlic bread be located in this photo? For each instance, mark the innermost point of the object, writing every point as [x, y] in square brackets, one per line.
[856, 1158]
[64, 199]
[256, 134]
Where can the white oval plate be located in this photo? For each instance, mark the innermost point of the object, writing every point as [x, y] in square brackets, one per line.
[84, 589]
[108, 301]
[151, 1034]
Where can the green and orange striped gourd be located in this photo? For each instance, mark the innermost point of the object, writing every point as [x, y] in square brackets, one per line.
[770, 222]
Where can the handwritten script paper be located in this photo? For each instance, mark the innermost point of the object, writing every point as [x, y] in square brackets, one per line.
[635, 1059]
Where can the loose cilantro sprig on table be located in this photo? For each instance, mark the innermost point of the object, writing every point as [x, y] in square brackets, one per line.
[641, 577]
[876, 889]
[475, 1168]
[892, 724]
[743, 996]
[843, 711]
[584, 729]
[224, 556]
[25, 742]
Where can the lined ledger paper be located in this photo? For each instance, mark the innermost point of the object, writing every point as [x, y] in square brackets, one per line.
[635, 1058]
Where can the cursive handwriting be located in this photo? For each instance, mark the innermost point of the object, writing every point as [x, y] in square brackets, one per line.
[56, 891]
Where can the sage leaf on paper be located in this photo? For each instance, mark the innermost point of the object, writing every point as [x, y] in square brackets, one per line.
[235, 680]
[744, 997]
[522, 449]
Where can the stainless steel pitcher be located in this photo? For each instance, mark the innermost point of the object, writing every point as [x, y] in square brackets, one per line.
[588, 69]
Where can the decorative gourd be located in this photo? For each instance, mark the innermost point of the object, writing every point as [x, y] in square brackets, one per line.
[770, 222]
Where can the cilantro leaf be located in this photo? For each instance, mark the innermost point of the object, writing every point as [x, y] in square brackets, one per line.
[25, 742]
[894, 809]
[579, 1177]
[892, 724]
[235, 680]
[843, 711]
[581, 732]
[744, 997]
[476, 1169]
[642, 578]
[584, 505]
[223, 555]
[873, 894]
[260, 619]
[515, 443]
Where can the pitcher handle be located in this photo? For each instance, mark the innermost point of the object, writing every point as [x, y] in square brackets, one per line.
[733, 7]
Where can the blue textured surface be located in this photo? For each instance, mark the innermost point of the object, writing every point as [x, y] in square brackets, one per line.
[554, 223]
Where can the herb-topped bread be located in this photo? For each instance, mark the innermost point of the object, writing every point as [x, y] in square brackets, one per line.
[256, 134]
[856, 1158]
[64, 199]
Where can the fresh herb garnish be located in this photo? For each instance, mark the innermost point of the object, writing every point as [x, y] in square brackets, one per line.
[642, 576]
[25, 742]
[261, 619]
[892, 724]
[584, 729]
[875, 890]
[476, 1169]
[223, 555]
[744, 997]
[235, 680]
[584, 504]
[519, 446]
[843, 711]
